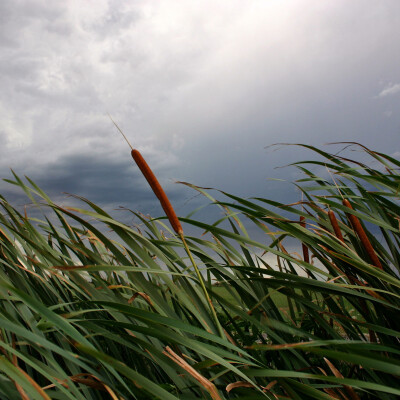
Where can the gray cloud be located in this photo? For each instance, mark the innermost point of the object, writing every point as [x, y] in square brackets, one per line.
[109, 182]
[199, 92]
[390, 90]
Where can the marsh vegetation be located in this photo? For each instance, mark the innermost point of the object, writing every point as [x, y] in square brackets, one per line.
[86, 316]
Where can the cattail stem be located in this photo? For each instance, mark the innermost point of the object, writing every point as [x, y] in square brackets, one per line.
[174, 221]
[356, 224]
[335, 225]
[203, 286]
[338, 233]
[306, 256]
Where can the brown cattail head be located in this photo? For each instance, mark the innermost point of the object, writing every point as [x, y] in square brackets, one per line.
[335, 225]
[306, 256]
[158, 191]
[356, 224]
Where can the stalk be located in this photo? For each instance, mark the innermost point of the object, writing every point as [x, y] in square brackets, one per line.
[173, 219]
[203, 286]
[175, 223]
[306, 256]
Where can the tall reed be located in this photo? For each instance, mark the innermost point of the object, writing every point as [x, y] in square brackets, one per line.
[173, 219]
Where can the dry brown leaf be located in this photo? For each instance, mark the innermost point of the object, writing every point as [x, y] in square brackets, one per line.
[86, 379]
[34, 384]
[144, 296]
[350, 391]
[209, 386]
[237, 384]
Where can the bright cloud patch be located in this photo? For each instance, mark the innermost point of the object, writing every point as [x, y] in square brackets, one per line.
[390, 90]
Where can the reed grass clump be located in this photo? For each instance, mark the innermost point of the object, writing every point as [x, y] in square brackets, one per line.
[84, 316]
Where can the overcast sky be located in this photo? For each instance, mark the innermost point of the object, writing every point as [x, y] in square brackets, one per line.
[200, 88]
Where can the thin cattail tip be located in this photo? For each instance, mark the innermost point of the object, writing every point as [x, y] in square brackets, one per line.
[120, 131]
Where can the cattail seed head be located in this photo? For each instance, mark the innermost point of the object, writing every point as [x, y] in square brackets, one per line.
[356, 224]
[306, 255]
[158, 191]
[335, 225]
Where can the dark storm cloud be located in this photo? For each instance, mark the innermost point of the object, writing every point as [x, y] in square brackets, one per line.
[112, 184]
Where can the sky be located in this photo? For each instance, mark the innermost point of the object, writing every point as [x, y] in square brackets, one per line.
[200, 88]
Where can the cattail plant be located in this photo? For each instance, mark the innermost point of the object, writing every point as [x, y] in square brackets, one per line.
[154, 184]
[358, 228]
[171, 215]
